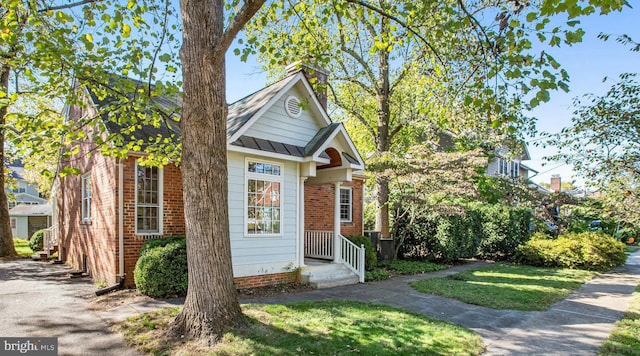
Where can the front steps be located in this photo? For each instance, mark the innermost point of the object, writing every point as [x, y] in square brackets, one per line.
[327, 275]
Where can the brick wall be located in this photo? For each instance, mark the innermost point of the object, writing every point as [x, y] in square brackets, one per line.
[319, 206]
[172, 206]
[266, 280]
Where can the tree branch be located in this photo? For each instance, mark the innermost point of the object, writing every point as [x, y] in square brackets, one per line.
[401, 23]
[68, 6]
[248, 9]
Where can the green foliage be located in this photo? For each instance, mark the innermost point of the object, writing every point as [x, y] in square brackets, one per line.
[377, 274]
[370, 257]
[489, 231]
[36, 240]
[161, 270]
[22, 248]
[414, 267]
[594, 251]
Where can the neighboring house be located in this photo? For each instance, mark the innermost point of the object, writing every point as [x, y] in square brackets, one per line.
[294, 185]
[506, 164]
[28, 212]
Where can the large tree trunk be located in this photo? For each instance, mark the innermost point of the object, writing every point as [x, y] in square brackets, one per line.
[383, 140]
[6, 238]
[211, 305]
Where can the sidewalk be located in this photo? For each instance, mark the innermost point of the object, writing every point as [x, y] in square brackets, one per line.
[576, 325]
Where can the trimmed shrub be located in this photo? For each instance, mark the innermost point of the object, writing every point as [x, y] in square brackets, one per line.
[502, 230]
[594, 251]
[370, 258]
[161, 270]
[36, 241]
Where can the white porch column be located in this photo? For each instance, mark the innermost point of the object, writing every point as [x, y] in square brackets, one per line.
[301, 222]
[336, 223]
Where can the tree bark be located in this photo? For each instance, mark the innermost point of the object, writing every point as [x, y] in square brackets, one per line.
[384, 137]
[211, 305]
[6, 238]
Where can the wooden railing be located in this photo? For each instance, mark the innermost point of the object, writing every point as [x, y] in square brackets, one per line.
[352, 256]
[50, 238]
[318, 244]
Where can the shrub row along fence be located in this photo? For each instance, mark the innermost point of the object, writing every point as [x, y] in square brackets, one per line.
[446, 235]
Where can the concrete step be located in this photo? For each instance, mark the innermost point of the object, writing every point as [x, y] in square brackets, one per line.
[328, 275]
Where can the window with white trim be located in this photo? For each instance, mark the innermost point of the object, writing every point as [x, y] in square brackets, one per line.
[345, 204]
[504, 167]
[515, 169]
[264, 204]
[148, 200]
[86, 197]
[14, 223]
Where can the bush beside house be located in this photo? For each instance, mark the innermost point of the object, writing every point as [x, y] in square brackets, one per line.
[161, 270]
[36, 240]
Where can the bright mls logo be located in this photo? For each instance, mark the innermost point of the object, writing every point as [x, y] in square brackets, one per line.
[28, 346]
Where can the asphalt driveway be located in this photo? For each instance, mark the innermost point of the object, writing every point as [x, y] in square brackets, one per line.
[39, 300]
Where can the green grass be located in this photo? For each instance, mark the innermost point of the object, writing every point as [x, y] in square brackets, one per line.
[414, 267]
[625, 338]
[22, 248]
[507, 286]
[315, 328]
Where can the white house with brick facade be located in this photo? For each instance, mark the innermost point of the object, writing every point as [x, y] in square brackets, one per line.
[295, 191]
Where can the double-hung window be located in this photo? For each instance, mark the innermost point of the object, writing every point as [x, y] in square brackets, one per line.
[148, 200]
[86, 197]
[263, 199]
[345, 204]
[515, 169]
[504, 167]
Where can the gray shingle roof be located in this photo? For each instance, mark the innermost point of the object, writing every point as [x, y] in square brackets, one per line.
[244, 109]
[31, 210]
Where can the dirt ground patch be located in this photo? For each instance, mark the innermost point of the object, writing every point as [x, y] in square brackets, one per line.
[128, 296]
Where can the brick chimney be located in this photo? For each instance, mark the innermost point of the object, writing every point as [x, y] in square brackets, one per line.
[555, 183]
[316, 76]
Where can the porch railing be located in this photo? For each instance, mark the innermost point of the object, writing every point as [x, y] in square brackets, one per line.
[318, 244]
[50, 238]
[352, 256]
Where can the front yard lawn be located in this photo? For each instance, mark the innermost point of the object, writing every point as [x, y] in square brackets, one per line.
[625, 338]
[507, 286]
[22, 248]
[314, 328]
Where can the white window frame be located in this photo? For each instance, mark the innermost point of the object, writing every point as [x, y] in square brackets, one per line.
[349, 204]
[159, 205]
[515, 169]
[86, 198]
[265, 178]
[503, 167]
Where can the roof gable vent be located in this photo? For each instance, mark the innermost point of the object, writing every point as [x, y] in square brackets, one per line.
[292, 106]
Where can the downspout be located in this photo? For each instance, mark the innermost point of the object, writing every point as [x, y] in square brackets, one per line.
[120, 283]
[121, 219]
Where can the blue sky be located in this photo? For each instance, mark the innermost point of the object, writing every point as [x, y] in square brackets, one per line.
[587, 63]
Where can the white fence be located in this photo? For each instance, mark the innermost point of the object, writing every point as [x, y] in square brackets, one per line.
[352, 256]
[50, 238]
[318, 244]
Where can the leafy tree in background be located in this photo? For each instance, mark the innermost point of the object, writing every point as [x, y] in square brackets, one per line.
[52, 51]
[401, 70]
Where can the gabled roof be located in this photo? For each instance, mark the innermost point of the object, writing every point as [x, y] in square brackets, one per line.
[242, 115]
[245, 109]
[31, 210]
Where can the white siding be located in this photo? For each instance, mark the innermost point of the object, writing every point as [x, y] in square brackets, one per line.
[261, 255]
[22, 227]
[276, 125]
[493, 169]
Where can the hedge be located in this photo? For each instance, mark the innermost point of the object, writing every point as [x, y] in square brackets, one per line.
[486, 231]
[595, 251]
[36, 241]
[161, 270]
[370, 258]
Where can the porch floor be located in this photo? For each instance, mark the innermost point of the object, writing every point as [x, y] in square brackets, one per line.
[316, 261]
